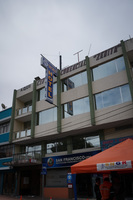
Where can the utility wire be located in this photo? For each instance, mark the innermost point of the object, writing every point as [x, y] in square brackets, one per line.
[68, 124]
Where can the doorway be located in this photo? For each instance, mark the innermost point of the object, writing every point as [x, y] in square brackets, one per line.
[84, 185]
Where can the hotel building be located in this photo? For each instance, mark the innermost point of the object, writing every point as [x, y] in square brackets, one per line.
[92, 110]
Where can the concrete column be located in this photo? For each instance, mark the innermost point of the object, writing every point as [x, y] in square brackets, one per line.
[91, 99]
[12, 117]
[128, 68]
[33, 110]
[58, 102]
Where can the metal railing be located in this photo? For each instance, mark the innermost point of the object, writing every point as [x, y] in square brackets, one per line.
[22, 134]
[28, 157]
[24, 110]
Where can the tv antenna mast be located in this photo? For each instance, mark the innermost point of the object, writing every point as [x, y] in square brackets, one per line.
[78, 54]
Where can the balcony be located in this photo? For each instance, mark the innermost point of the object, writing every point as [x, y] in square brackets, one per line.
[24, 110]
[22, 134]
[27, 158]
[24, 114]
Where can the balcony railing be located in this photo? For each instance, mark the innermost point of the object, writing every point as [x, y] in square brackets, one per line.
[24, 110]
[22, 134]
[34, 157]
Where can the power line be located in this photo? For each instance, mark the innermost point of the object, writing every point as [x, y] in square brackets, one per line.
[66, 125]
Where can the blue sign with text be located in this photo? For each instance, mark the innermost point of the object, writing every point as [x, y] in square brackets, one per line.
[67, 160]
[44, 169]
[69, 178]
[50, 71]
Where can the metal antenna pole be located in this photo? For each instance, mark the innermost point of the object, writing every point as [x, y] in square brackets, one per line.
[78, 54]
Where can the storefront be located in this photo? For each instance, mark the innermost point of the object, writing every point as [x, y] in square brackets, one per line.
[56, 180]
[116, 159]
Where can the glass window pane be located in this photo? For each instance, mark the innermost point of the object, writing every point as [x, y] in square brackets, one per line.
[55, 89]
[108, 68]
[120, 63]
[93, 141]
[79, 107]
[22, 134]
[47, 116]
[30, 108]
[99, 101]
[111, 97]
[77, 80]
[78, 142]
[42, 94]
[51, 148]
[17, 135]
[24, 110]
[19, 111]
[126, 95]
[29, 132]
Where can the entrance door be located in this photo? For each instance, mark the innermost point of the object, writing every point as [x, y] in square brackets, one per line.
[84, 185]
[30, 182]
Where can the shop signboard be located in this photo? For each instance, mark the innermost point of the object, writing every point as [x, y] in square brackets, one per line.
[105, 144]
[114, 165]
[51, 71]
[69, 178]
[44, 169]
[67, 160]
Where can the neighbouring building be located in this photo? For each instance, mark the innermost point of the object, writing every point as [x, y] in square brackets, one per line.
[7, 174]
[92, 109]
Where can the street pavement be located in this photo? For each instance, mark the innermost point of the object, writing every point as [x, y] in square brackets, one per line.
[7, 197]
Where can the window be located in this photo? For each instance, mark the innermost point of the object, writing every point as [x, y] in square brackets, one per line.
[83, 142]
[41, 94]
[58, 146]
[108, 68]
[5, 127]
[6, 151]
[76, 81]
[56, 177]
[78, 107]
[113, 96]
[47, 116]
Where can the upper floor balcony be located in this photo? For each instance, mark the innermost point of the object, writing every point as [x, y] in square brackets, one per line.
[27, 158]
[21, 134]
[24, 114]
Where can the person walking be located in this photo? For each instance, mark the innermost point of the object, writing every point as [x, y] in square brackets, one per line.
[97, 189]
[105, 189]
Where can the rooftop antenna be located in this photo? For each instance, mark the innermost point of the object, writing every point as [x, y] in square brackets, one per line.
[89, 50]
[130, 38]
[78, 54]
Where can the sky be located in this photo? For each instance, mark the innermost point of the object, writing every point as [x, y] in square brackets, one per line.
[29, 28]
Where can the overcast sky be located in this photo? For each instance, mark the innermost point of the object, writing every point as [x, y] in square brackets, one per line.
[29, 28]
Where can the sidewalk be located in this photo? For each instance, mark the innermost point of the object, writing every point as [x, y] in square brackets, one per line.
[6, 197]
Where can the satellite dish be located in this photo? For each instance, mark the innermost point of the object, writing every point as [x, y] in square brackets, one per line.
[3, 106]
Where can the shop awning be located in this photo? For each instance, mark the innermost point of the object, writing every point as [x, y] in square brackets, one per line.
[116, 158]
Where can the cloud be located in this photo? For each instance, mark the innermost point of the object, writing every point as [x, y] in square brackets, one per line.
[31, 27]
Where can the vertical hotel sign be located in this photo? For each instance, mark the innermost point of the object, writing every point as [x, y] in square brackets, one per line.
[51, 71]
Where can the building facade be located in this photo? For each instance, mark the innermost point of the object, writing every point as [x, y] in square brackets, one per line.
[92, 109]
[7, 174]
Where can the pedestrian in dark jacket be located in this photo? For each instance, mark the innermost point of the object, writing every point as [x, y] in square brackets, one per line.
[97, 189]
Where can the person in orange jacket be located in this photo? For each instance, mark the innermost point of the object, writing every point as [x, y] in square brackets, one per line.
[105, 189]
